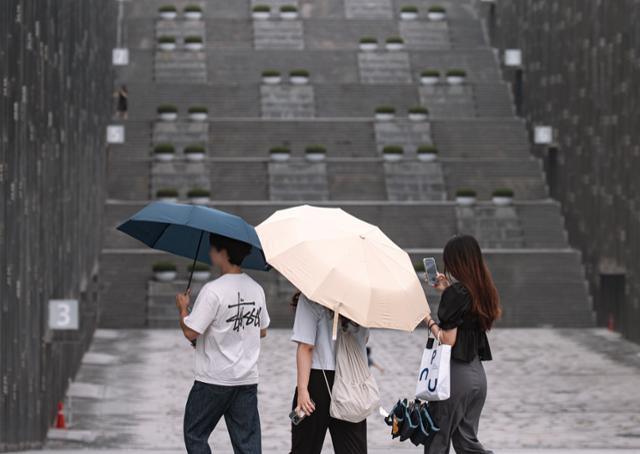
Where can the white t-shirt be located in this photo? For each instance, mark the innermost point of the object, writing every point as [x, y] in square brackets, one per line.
[229, 314]
[313, 325]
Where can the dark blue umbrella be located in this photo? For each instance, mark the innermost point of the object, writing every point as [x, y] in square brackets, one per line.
[183, 230]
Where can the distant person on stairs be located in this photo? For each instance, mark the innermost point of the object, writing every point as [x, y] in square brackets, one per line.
[227, 321]
[468, 307]
[122, 100]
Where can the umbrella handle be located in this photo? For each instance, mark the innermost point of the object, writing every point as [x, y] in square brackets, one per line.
[195, 258]
[336, 317]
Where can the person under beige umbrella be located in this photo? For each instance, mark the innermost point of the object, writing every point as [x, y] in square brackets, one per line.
[345, 264]
[356, 272]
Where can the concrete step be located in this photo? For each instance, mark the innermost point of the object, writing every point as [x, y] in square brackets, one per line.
[245, 66]
[343, 138]
[493, 227]
[405, 133]
[298, 180]
[457, 10]
[290, 101]
[347, 179]
[533, 293]
[385, 68]
[180, 66]
[475, 138]
[410, 224]
[414, 180]
[368, 9]
[278, 34]
[421, 34]
[449, 101]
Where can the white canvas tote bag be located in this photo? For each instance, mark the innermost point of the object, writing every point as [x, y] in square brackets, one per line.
[434, 373]
[355, 393]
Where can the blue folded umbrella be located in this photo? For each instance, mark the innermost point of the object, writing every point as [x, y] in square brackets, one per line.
[183, 230]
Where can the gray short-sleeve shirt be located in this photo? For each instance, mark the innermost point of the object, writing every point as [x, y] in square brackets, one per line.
[313, 325]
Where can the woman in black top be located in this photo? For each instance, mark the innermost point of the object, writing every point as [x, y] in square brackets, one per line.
[468, 307]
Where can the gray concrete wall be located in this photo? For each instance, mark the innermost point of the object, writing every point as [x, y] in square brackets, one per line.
[55, 103]
[580, 76]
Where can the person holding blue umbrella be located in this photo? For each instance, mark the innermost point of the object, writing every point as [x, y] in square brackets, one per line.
[227, 321]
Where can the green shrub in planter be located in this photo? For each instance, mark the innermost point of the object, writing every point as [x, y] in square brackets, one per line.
[159, 267]
[427, 149]
[198, 267]
[318, 149]
[394, 40]
[288, 9]
[261, 9]
[456, 73]
[198, 192]
[465, 192]
[195, 149]
[420, 110]
[430, 73]
[164, 148]
[167, 9]
[279, 150]
[368, 40]
[167, 39]
[409, 9]
[437, 9]
[193, 39]
[192, 9]
[167, 193]
[503, 192]
[299, 73]
[393, 149]
[270, 73]
[167, 108]
[385, 110]
[198, 109]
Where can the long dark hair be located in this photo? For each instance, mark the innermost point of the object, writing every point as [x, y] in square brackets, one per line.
[463, 260]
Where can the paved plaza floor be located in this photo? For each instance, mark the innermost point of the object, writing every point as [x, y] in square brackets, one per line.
[550, 390]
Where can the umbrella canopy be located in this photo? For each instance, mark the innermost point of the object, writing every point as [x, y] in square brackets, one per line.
[345, 264]
[182, 230]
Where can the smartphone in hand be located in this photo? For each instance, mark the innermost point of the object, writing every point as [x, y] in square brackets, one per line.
[430, 270]
[296, 416]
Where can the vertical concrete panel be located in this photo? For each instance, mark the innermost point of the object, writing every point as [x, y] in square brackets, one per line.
[55, 102]
[580, 75]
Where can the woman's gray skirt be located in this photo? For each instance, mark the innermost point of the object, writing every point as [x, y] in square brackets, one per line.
[458, 417]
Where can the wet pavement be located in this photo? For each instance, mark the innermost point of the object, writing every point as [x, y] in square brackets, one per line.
[550, 391]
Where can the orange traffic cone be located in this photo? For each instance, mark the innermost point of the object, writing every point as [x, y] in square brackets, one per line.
[60, 423]
[611, 323]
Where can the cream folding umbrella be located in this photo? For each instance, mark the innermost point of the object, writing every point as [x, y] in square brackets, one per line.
[345, 264]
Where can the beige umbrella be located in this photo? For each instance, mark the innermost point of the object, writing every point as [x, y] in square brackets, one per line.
[345, 264]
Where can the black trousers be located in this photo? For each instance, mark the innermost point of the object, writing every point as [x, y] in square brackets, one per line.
[308, 436]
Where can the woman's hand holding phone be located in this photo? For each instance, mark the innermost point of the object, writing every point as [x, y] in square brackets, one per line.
[305, 403]
[441, 282]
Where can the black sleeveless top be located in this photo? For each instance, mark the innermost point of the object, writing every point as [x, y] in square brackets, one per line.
[454, 311]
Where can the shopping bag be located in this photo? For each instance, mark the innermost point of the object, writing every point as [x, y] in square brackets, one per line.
[355, 394]
[434, 374]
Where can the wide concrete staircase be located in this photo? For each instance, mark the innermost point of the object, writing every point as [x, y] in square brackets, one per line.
[481, 145]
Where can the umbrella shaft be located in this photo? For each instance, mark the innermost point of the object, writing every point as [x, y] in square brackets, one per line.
[195, 258]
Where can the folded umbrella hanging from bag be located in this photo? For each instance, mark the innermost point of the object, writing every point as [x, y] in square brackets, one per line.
[412, 421]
